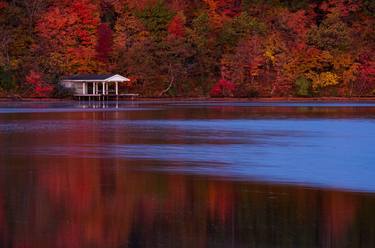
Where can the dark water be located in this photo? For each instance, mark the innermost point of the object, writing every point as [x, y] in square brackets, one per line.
[180, 174]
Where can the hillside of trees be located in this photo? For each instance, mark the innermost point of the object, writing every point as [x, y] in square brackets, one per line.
[239, 48]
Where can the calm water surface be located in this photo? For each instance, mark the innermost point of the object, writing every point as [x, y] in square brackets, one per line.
[187, 174]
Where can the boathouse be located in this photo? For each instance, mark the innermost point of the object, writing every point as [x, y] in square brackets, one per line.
[93, 85]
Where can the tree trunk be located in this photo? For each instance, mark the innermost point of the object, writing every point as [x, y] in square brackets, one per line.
[171, 82]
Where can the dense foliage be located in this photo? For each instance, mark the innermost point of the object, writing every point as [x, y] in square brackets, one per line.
[192, 47]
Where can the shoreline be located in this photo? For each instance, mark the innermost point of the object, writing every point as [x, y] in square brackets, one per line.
[208, 99]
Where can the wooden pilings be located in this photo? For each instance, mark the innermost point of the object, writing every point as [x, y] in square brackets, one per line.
[103, 97]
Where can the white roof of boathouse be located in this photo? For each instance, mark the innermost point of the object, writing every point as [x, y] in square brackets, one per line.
[96, 78]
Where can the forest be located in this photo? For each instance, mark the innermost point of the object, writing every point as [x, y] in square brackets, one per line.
[191, 48]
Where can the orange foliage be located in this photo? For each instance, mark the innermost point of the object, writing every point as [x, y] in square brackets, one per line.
[261, 46]
[176, 26]
[220, 10]
[69, 31]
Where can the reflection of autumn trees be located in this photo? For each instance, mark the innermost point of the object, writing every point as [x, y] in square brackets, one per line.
[2, 220]
[220, 201]
[339, 213]
[85, 203]
[82, 201]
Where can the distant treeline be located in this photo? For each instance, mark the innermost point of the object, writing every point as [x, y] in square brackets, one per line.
[240, 48]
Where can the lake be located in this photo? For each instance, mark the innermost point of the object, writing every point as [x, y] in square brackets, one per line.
[187, 174]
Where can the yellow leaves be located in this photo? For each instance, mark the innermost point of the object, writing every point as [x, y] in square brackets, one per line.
[321, 68]
[328, 79]
[318, 59]
[323, 79]
[274, 47]
[269, 54]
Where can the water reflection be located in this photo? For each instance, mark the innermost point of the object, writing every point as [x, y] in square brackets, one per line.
[166, 175]
[88, 203]
[312, 152]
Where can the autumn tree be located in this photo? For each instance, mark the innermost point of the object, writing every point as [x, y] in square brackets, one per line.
[34, 8]
[7, 80]
[176, 27]
[16, 44]
[68, 36]
[342, 8]
[220, 11]
[203, 64]
[15, 41]
[244, 66]
[365, 83]
[156, 18]
[182, 47]
[128, 31]
[331, 34]
[223, 88]
[104, 44]
[239, 27]
[36, 84]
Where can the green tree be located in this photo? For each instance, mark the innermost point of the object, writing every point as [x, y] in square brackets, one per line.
[156, 18]
[238, 28]
[303, 86]
[7, 81]
[206, 53]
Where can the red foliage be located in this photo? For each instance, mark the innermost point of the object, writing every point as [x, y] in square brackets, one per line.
[67, 31]
[223, 88]
[105, 42]
[366, 80]
[297, 22]
[343, 7]
[176, 27]
[229, 7]
[86, 12]
[3, 5]
[40, 88]
[180, 5]
[138, 5]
